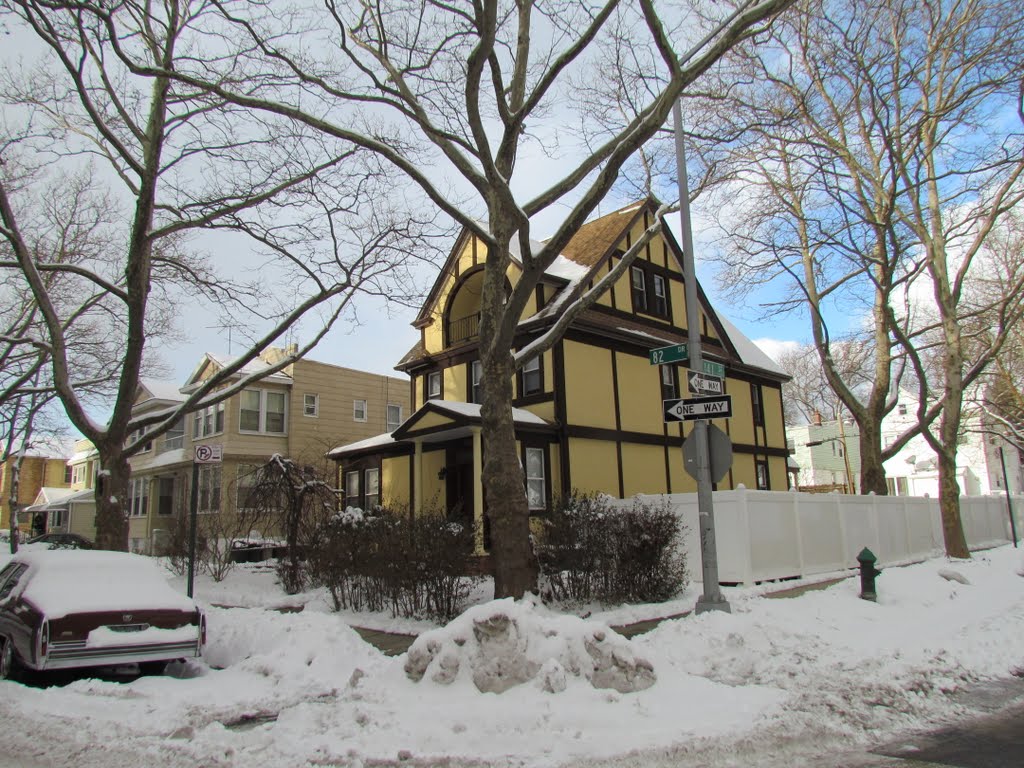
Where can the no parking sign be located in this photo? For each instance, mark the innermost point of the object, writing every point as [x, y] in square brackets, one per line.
[209, 454]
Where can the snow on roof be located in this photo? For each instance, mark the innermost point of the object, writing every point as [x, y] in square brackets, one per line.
[60, 502]
[62, 582]
[163, 390]
[519, 415]
[78, 456]
[51, 495]
[566, 269]
[255, 365]
[371, 442]
[747, 350]
[173, 456]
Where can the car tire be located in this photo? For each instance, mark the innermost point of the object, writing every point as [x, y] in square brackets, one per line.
[152, 668]
[9, 666]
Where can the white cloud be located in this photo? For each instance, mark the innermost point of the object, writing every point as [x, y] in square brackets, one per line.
[773, 347]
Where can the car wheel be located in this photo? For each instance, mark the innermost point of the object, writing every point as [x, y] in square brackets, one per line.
[8, 664]
[151, 668]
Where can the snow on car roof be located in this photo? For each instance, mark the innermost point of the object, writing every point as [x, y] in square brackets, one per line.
[61, 582]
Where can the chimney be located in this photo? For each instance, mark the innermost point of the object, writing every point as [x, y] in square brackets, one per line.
[816, 418]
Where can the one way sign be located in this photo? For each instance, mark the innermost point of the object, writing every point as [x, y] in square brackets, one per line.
[702, 384]
[698, 408]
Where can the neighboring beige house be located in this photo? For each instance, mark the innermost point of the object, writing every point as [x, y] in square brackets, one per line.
[71, 508]
[37, 472]
[299, 412]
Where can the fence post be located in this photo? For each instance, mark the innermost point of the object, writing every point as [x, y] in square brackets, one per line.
[795, 506]
[843, 543]
[744, 520]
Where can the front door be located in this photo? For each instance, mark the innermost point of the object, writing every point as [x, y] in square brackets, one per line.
[459, 489]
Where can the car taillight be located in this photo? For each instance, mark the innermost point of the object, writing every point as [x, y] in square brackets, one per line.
[44, 640]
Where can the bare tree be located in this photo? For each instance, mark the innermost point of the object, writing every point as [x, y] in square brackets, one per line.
[466, 91]
[808, 392]
[293, 499]
[883, 149]
[139, 165]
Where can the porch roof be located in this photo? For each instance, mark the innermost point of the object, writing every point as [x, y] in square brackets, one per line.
[436, 421]
[58, 498]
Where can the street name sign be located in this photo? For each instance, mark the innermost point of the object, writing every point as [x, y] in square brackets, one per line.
[702, 384]
[713, 369]
[698, 408]
[675, 353]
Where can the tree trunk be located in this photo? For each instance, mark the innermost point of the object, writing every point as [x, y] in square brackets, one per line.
[112, 492]
[515, 565]
[872, 471]
[949, 506]
[15, 468]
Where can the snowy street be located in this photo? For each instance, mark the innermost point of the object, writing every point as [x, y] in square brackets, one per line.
[777, 682]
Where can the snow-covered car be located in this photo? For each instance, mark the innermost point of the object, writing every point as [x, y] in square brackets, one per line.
[80, 608]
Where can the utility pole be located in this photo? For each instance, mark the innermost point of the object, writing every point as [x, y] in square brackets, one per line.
[712, 599]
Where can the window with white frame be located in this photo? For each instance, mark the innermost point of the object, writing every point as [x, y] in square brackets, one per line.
[78, 474]
[372, 494]
[352, 489]
[139, 497]
[394, 416]
[311, 405]
[262, 411]
[669, 391]
[536, 485]
[56, 518]
[639, 280]
[137, 435]
[245, 481]
[476, 376]
[208, 421]
[209, 488]
[533, 380]
[175, 436]
[660, 295]
[433, 385]
[358, 410]
[165, 496]
[762, 475]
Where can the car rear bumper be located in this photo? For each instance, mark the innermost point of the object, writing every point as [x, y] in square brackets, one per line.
[68, 655]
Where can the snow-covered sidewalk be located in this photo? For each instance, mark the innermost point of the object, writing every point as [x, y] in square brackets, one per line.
[773, 681]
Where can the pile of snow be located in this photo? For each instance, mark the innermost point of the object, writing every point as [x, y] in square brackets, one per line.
[504, 644]
[775, 683]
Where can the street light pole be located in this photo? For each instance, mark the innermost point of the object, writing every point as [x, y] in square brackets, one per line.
[712, 599]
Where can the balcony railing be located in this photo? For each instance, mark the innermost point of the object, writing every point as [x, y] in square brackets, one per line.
[464, 329]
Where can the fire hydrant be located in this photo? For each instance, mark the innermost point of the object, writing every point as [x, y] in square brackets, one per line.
[868, 572]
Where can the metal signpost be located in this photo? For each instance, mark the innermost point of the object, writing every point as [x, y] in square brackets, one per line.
[204, 454]
[712, 599]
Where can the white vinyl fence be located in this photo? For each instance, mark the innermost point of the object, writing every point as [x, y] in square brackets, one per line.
[765, 535]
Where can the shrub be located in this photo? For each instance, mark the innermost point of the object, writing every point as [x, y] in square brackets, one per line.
[386, 561]
[594, 551]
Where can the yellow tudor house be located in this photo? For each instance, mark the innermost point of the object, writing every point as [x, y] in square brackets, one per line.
[589, 412]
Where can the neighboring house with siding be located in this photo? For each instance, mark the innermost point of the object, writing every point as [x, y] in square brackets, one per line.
[588, 413]
[827, 454]
[37, 472]
[914, 470]
[298, 412]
